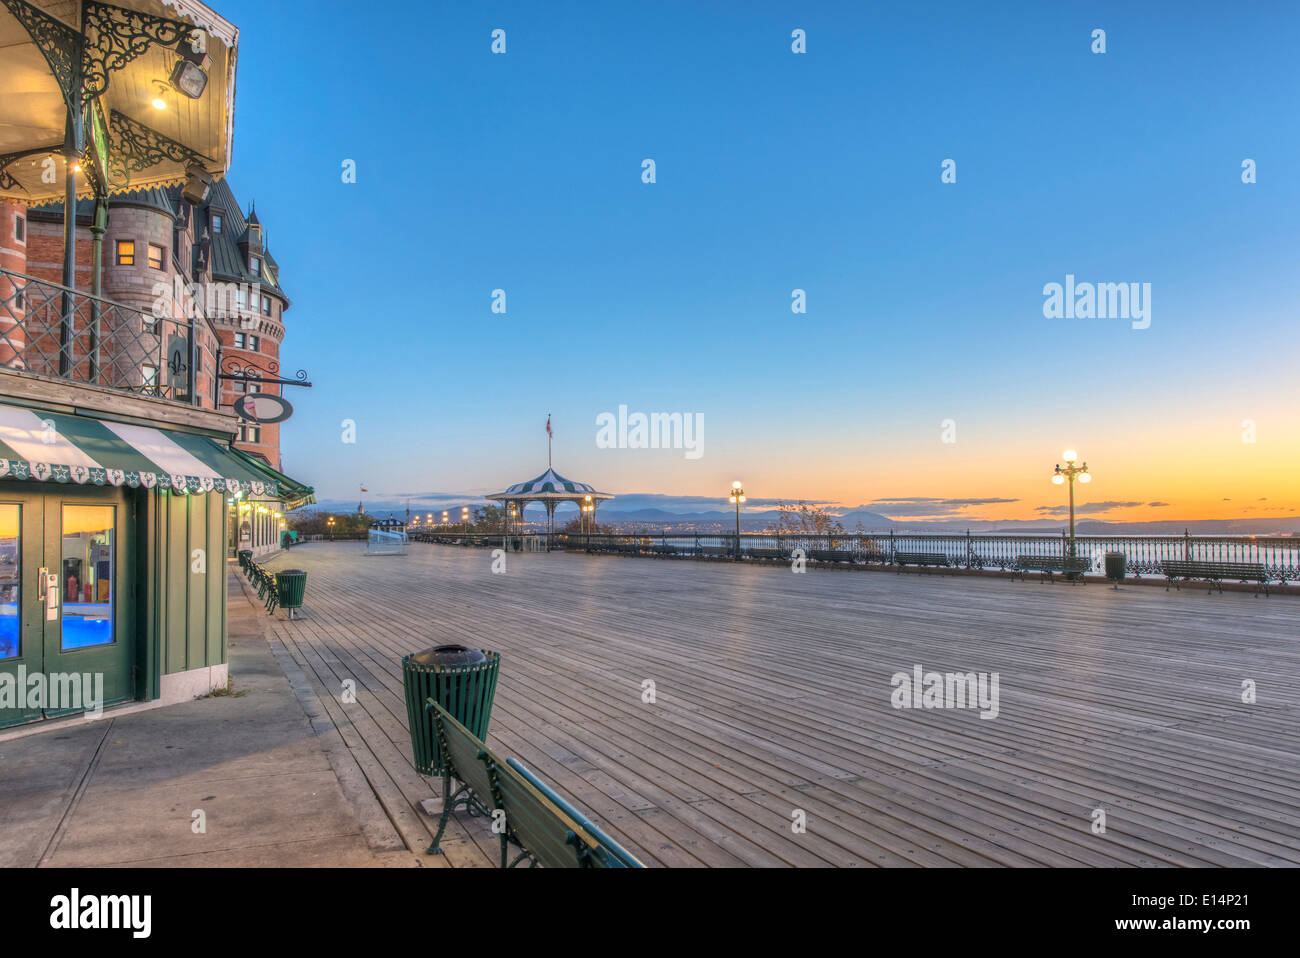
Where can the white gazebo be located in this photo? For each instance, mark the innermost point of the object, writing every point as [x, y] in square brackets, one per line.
[550, 489]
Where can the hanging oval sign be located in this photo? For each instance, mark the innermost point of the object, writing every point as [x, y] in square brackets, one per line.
[263, 408]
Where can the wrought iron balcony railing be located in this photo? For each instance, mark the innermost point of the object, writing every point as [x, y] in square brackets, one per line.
[51, 330]
[1144, 554]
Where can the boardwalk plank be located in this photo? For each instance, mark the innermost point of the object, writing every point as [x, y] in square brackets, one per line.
[773, 693]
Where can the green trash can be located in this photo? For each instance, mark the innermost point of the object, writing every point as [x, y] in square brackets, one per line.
[1115, 567]
[460, 679]
[291, 585]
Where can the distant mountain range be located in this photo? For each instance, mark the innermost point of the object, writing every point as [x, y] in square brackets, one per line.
[716, 520]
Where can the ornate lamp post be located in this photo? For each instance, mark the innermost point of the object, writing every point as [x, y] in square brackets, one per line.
[329, 523]
[464, 517]
[736, 498]
[1070, 473]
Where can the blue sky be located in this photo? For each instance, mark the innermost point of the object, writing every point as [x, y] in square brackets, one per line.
[778, 171]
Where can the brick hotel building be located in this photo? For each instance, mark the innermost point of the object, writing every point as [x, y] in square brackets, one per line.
[154, 237]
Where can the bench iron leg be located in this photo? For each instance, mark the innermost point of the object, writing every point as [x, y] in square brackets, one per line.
[449, 802]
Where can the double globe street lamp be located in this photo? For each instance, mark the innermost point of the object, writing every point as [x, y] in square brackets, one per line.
[1069, 474]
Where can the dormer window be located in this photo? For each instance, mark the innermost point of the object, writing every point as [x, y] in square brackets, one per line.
[255, 264]
[216, 223]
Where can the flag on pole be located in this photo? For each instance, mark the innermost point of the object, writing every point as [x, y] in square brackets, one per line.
[548, 425]
[364, 489]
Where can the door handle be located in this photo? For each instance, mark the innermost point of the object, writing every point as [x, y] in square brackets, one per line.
[48, 589]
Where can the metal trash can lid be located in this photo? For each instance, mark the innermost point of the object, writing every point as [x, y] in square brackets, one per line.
[449, 655]
[292, 572]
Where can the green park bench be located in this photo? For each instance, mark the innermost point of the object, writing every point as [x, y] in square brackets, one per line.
[767, 554]
[714, 552]
[831, 555]
[269, 590]
[923, 559]
[548, 830]
[1214, 572]
[264, 582]
[1072, 568]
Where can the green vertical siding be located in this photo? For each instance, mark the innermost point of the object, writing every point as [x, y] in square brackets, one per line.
[177, 579]
[196, 518]
[215, 626]
[188, 608]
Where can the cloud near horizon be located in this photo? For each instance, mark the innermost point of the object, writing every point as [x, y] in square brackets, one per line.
[1090, 507]
[930, 506]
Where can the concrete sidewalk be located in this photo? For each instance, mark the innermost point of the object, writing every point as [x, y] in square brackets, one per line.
[125, 790]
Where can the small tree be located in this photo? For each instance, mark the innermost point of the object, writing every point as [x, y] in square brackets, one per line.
[489, 519]
[576, 527]
[806, 518]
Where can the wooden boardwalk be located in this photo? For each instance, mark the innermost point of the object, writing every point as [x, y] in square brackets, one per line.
[773, 694]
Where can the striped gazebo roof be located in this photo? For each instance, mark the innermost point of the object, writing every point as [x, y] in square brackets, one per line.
[550, 485]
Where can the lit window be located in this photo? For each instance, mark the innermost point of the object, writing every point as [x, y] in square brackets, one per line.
[20, 229]
[126, 252]
[155, 257]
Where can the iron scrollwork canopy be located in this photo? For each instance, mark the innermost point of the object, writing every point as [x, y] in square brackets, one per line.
[114, 36]
[137, 147]
[109, 39]
[59, 43]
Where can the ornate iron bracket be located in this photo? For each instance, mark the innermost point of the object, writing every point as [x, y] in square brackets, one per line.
[81, 61]
[239, 371]
[138, 147]
[114, 36]
[60, 44]
[7, 181]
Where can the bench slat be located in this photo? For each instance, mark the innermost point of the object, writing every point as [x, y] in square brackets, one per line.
[611, 853]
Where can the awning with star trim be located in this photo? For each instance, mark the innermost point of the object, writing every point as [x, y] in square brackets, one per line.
[61, 447]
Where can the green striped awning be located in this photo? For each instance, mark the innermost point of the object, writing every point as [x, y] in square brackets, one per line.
[293, 493]
[59, 447]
